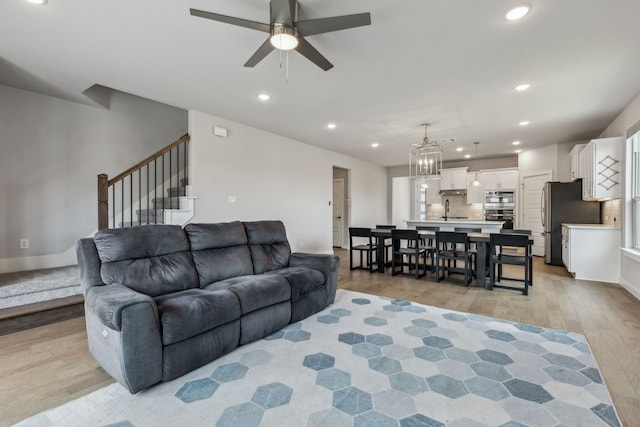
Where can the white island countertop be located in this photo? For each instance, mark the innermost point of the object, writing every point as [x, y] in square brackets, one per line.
[450, 224]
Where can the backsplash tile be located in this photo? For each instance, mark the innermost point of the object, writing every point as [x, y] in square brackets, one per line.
[458, 207]
[611, 212]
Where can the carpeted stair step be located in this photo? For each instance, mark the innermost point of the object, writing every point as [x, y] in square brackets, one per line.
[150, 216]
[176, 191]
[166, 203]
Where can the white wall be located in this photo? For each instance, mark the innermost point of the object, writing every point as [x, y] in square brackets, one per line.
[273, 177]
[51, 151]
[540, 159]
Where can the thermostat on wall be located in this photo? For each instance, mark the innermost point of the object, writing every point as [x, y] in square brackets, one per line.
[220, 131]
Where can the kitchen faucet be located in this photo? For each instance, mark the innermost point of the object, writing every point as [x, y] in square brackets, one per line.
[446, 209]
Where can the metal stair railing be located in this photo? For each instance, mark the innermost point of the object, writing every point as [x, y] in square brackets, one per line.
[144, 184]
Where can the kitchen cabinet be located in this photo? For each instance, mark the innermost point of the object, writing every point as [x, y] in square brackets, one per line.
[474, 194]
[574, 155]
[601, 169]
[592, 251]
[453, 179]
[499, 179]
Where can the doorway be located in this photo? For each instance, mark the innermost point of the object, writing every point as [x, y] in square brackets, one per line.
[532, 184]
[339, 202]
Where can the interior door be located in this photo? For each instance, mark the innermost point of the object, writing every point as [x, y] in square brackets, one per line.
[338, 211]
[532, 184]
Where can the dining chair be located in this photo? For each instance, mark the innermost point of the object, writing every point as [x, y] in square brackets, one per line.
[498, 258]
[408, 253]
[427, 241]
[361, 241]
[473, 248]
[388, 243]
[453, 247]
[512, 250]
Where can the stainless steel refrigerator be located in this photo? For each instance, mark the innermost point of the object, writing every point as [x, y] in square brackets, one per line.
[562, 203]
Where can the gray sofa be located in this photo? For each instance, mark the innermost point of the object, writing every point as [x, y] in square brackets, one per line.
[161, 300]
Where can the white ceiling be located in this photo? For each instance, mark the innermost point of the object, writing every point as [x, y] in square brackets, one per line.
[452, 63]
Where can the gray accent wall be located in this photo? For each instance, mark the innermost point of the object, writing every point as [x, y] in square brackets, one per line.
[51, 152]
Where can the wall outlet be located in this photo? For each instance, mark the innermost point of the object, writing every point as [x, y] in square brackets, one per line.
[24, 243]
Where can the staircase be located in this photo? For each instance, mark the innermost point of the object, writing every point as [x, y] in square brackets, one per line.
[154, 191]
[176, 208]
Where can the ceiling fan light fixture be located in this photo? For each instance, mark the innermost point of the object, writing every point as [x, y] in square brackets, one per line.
[283, 37]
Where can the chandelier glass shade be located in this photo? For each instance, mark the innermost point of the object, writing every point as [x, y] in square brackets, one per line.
[425, 159]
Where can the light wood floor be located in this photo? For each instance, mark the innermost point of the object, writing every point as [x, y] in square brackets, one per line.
[46, 366]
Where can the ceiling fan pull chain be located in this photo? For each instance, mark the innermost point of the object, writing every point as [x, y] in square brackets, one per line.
[287, 80]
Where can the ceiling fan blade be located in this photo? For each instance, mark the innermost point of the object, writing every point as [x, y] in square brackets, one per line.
[231, 20]
[335, 23]
[260, 54]
[313, 55]
[283, 11]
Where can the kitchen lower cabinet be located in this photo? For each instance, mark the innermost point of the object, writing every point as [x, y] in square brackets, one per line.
[592, 251]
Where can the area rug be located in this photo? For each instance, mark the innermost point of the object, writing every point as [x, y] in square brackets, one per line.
[372, 361]
[30, 287]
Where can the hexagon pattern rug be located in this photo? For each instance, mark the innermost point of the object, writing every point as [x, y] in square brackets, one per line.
[372, 361]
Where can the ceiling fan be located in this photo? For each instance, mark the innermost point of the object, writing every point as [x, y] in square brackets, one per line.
[287, 33]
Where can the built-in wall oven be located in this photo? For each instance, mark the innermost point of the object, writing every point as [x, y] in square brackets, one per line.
[499, 206]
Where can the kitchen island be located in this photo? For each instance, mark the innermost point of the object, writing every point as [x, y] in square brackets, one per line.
[450, 224]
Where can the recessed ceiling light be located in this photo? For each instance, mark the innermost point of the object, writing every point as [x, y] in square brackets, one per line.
[518, 12]
[522, 87]
[467, 156]
[331, 125]
[264, 97]
[38, 2]
[518, 151]
[459, 149]
[515, 143]
[375, 145]
[524, 123]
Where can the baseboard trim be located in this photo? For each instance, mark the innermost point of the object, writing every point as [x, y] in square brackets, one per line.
[632, 289]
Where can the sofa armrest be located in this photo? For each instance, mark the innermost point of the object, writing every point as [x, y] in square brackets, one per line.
[123, 332]
[327, 264]
[109, 303]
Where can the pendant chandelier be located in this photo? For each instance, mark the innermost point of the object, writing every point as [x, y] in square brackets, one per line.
[425, 159]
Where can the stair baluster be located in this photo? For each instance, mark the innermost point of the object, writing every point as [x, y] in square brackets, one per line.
[150, 183]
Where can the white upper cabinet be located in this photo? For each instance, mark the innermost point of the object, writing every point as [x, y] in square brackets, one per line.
[601, 169]
[499, 179]
[574, 155]
[454, 179]
[474, 193]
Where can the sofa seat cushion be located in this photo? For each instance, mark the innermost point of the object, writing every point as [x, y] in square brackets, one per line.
[256, 291]
[192, 312]
[302, 280]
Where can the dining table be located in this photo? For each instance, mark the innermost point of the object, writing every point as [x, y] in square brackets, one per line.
[480, 239]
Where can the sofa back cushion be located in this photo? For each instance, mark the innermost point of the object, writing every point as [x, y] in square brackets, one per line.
[151, 259]
[268, 244]
[219, 251]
